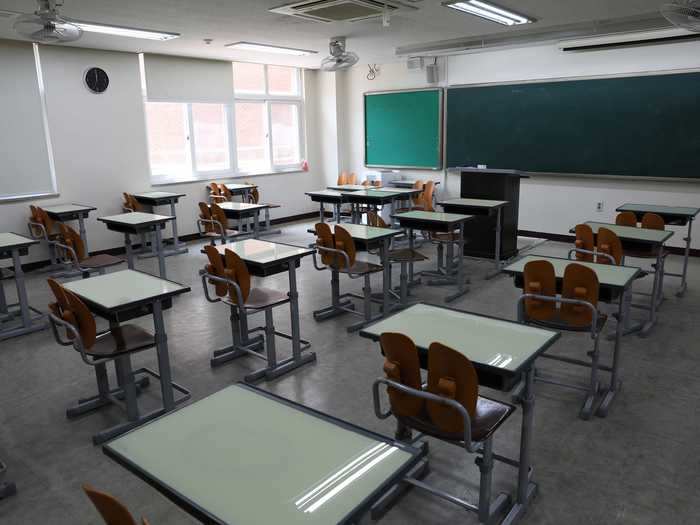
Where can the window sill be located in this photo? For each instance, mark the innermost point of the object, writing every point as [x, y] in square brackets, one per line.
[226, 176]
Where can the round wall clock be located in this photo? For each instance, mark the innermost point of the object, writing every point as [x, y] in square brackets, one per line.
[96, 80]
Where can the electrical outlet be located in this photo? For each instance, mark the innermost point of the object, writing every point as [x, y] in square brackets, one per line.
[599, 207]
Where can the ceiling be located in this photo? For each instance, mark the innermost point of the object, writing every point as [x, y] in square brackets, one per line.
[227, 21]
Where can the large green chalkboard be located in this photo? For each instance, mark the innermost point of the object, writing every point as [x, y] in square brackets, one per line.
[633, 126]
[403, 129]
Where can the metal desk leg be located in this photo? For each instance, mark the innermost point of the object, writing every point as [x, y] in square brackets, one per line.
[83, 232]
[336, 210]
[29, 324]
[177, 246]
[684, 283]
[654, 294]
[4, 310]
[526, 488]
[256, 224]
[498, 245]
[322, 213]
[461, 287]
[615, 382]
[386, 276]
[129, 252]
[160, 252]
[166, 386]
[21, 290]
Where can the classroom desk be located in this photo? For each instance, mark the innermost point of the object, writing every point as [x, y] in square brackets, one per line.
[349, 187]
[264, 258]
[164, 198]
[137, 223]
[245, 456]
[407, 183]
[503, 353]
[436, 222]
[635, 238]
[615, 284]
[13, 246]
[243, 190]
[323, 197]
[125, 295]
[72, 212]
[481, 207]
[674, 216]
[240, 211]
[374, 198]
[7, 488]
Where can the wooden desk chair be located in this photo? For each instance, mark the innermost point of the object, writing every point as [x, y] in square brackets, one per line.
[339, 255]
[342, 178]
[211, 226]
[254, 198]
[352, 178]
[215, 193]
[113, 512]
[44, 228]
[74, 325]
[607, 251]
[233, 287]
[575, 309]
[72, 249]
[626, 218]
[448, 408]
[585, 243]
[416, 202]
[130, 204]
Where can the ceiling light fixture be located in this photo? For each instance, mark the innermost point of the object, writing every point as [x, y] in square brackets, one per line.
[489, 12]
[91, 27]
[268, 48]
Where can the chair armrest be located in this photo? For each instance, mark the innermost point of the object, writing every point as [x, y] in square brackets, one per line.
[71, 253]
[595, 253]
[76, 342]
[42, 229]
[207, 276]
[558, 300]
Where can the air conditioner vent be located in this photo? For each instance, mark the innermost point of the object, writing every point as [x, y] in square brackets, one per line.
[338, 10]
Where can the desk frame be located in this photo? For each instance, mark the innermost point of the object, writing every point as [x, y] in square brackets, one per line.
[74, 215]
[327, 198]
[154, 202]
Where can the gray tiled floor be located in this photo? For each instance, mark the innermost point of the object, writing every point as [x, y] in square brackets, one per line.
[640, 465]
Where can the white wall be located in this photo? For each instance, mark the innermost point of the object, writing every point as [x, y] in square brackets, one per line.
[99, 144]
[548, 204]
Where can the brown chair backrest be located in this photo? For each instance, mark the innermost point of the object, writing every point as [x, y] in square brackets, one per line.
[214, 188]
[377, 183]
[584, 241]
[626, 218]
[609, 243]
[450, 375]
[39, 215]
[428, 193]
[225, 192]
[366, 183]
[217, 268]
[72, 239]
[539, 278]
[401, 365]
[325, 238]
[352, 179]
[418, 199]
[343, 178]
[237, 271]
[219, 215]
[580, 282]
[71, 309]
[373, 219]
[205, 214]
[652, 221]
[345, 242]
[131, 202]
[111, 509]
[254, 196]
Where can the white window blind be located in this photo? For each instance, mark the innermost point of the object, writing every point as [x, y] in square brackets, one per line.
[187, 79]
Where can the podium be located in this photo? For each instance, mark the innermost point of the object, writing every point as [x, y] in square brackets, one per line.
[491, 184]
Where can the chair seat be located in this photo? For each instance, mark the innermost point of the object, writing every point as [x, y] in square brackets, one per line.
[559, 324]
[362, 268]
[406, 255]
[101, 261]
[123, 339]
[490, 414]
[229, 233]
[260, 298]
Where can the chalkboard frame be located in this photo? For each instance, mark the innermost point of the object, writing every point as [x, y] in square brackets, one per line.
[441, 127]
[562, 175]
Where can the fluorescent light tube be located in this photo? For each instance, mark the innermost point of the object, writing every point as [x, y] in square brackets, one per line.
[489, 12]
[91, 27]
[268, 48]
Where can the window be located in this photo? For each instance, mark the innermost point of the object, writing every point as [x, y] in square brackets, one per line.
[168, 138]
[211, 137]
[268, 114]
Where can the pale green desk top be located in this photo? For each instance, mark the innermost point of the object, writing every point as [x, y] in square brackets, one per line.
[608, 274]
[372, 192]
[12, 240]
[661, 210]
[158, 195]
[241, 206]
[433, 216]
[254, 251]
[117, 290]
[474, 203]
[632, 233]
[233, 186]
[69, 208]
[243, 456]
[487, 341]
[409, 191]
[347, 187]
[136, 218]
[368, 233]
[327, 193]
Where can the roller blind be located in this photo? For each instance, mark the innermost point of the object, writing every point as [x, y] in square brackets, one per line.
[188, 79]
[27, 167]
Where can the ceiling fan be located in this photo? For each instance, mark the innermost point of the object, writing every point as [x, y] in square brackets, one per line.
[683, 13]
[339, 59]
[47, 26]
